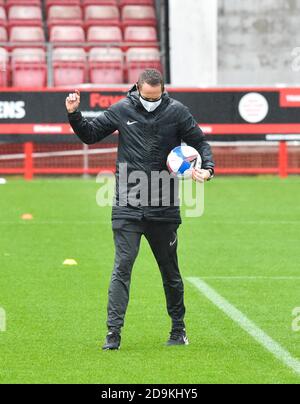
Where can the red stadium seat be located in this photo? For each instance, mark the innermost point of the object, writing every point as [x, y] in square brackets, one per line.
[27, 34]
[138, 15]
[139, 59]
[29, 68]
[60, 34]
[69, 66]
[124, 3]
[3, 19]
[140, 34]
[3, 34]
[64, 15]
[25, 16]
[104, 34]
[106, 66]
[50, 3]
[86, 3]
[10, 3]
[102, 15]
[3, 67]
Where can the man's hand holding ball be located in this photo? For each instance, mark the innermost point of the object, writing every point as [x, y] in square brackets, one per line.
[201, 175]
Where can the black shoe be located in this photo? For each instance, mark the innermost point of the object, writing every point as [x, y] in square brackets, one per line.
[112, 342]
[178, 337]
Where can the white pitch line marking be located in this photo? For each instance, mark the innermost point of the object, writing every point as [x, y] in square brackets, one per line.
[256, 222]
[247, 325]
[251, 278]
[54, 222]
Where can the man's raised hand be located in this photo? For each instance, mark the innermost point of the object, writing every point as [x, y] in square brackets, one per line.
[73, 101]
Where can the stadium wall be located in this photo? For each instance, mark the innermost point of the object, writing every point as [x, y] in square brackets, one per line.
[235, 43]
[193, 42]
[257, 42]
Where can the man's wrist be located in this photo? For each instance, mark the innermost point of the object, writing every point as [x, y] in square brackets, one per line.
[73, 112]
[212, 173]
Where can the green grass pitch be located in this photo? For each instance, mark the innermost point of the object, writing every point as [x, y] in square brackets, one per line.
[246, 247]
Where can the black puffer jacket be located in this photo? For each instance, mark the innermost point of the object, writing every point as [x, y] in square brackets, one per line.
[145, 140]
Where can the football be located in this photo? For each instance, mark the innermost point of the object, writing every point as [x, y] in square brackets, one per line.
[182, 160]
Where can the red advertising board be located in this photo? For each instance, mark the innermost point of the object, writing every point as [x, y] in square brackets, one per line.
[219, 111]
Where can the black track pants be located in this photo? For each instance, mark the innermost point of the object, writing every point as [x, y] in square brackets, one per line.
[162, 238]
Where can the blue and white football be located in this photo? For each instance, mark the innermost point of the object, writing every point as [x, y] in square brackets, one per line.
[182, 160]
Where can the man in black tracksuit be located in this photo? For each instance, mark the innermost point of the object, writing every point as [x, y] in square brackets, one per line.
[150, 125]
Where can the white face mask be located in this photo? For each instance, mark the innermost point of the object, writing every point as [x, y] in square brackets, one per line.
[150, 106]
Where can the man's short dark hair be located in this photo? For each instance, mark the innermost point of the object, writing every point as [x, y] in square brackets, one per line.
[152, 77]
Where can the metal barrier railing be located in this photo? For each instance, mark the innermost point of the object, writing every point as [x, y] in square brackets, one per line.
[235, 158]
